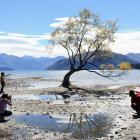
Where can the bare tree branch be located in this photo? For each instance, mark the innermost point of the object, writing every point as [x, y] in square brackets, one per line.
[85, 33]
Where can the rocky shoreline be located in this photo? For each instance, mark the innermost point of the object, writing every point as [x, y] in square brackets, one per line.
[110, 104]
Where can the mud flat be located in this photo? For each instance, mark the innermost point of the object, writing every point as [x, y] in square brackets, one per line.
[43, 114]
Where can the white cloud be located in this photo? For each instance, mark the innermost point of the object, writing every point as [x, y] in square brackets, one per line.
[35, 45]
[59, 22]
[127, 42]
[1, 32]
[58, 51]
[23, 44]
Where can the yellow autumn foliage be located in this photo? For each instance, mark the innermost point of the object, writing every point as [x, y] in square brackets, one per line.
[125, 66]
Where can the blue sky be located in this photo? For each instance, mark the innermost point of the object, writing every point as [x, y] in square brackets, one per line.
[34, 16]
[20, 18]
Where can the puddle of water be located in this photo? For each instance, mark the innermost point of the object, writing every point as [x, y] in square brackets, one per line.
[55, 123]
[37, 97]
[79, 125]
[51, 97]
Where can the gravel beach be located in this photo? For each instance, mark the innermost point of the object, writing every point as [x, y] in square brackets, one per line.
[101, 114]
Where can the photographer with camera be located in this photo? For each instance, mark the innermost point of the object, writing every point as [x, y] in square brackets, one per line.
[4, 101]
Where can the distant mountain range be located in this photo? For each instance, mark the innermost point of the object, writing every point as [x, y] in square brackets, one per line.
[134, 56]
[11, 62]
[115, 59]
[5, 69]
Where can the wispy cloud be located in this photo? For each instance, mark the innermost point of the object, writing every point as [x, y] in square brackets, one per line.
[126, 41]
[24, 44]
[59, 22]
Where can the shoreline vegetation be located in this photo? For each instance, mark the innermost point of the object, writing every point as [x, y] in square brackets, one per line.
[111, 104]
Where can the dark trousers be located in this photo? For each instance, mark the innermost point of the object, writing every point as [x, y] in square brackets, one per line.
[2, 87]
[6, 113]
[136, 108]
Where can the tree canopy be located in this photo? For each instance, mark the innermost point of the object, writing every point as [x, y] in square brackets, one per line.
[85, 38]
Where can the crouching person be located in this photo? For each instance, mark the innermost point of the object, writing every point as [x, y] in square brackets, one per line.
[4, 101]
[135, 100]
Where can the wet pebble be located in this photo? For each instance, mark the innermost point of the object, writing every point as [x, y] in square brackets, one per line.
[35, 133]
[123, 128]
[116, 132]
[111, 137]
[134, 138]
[27, 113]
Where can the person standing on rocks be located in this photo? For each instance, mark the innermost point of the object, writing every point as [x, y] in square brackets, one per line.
[2, 79]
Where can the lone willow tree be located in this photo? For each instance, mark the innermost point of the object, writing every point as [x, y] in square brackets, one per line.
[85, 38]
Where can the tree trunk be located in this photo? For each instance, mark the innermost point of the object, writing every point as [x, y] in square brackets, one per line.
[66, 82]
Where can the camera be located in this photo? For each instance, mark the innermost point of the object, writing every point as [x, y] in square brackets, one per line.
[6, 96]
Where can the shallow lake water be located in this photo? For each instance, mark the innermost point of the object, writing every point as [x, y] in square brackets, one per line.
[79, 125]
[82, 78]
[50, 97]
[37, 97]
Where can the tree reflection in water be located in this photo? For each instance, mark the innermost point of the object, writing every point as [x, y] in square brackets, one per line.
[85, 126]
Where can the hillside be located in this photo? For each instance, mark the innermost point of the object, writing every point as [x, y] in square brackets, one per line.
[134, 56]
[5, 69]
[26, 62]
[116, 59]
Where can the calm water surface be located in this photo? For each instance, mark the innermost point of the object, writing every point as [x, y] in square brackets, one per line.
[79, 78]
[79, 129]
